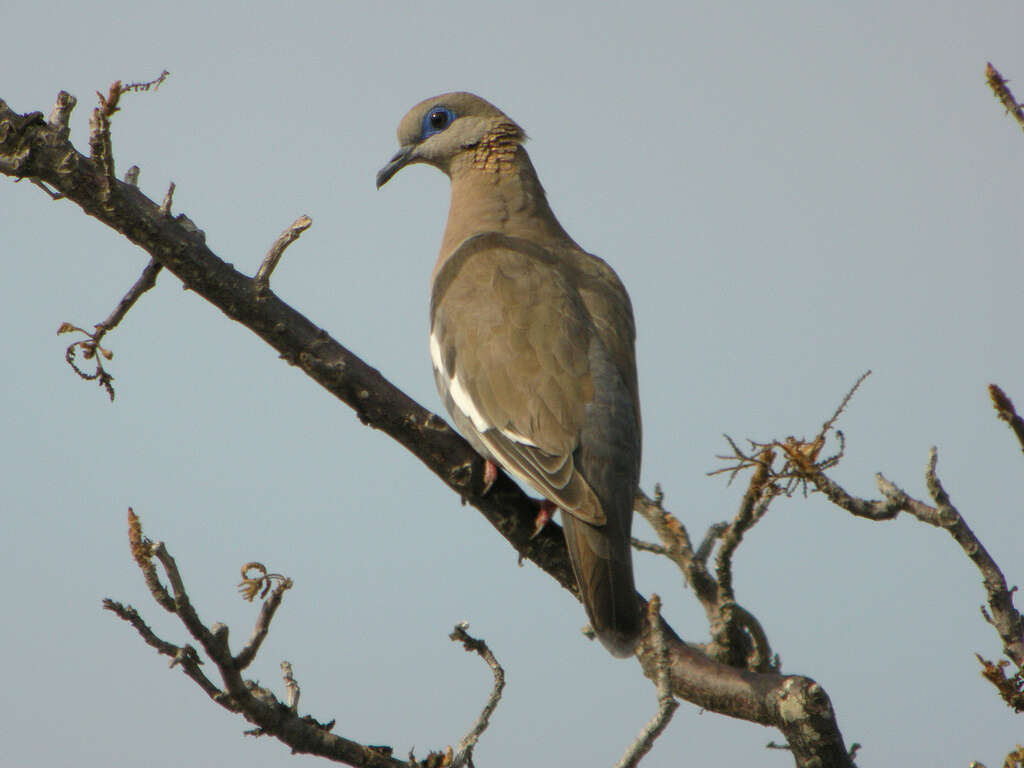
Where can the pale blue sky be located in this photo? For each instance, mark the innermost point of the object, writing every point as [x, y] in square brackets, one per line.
[792, 193]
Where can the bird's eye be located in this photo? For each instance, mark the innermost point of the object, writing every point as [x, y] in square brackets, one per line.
[436, 120]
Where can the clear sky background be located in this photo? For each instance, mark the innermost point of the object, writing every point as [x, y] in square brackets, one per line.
[792, 192]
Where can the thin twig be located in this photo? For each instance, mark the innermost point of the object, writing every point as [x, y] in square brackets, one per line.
[739, 638]
[1004, 616]
[669, 528]
[801, 455]
[258, 705]
[154, 84]
[649, 546]
[667, 703]
[760, 489]
[286, 238]
[290, 686]
[713, 534]
[146, 281]
[142, 552]
[91, 347]
[183, 656]
[1002, 91]
[165, 206]
[91, 351]
[464, 750]
[1006, 412]
[100, 147]
[262, 626]
[183, 606]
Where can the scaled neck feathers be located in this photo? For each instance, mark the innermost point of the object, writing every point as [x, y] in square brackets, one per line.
[495, 189]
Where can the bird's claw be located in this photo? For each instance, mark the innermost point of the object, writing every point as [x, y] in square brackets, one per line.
[545, 511]
[490, 475]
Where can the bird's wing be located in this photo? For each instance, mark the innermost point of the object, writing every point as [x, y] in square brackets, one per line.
[511, 341]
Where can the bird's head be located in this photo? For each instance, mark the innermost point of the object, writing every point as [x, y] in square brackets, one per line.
[438, 130]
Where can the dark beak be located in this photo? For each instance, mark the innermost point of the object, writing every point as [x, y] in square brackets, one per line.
[404, 156]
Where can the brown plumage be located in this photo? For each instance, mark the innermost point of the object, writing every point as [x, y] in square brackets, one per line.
[532, 341]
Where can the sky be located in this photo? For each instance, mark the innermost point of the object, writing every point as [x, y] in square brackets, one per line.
[793, 193]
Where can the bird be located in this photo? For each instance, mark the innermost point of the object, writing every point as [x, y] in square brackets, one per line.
[532, 341]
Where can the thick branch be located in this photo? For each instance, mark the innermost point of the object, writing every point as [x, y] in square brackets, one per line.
[30, 148]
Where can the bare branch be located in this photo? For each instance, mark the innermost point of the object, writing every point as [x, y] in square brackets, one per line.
[153, 84]
[91, 350]
[842, 406]
[1011, 688]
[738, 639]
[146, 281]
[90, 345]
[1002, 91]
[1004, 616]
[464, 751]
[802, 456]
[713, 534]
[29, 148]
[60, 115]
[184, 656]
[290, 686]
[258, 705]
[674, 537]
[649, 546]
[100, 150]
[142, 553]
[759, 492]
[165, 206]
[262, 627]
[1006, 412]
[286, 238]
[667, 704]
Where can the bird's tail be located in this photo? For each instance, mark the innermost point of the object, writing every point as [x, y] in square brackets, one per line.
[602, 561]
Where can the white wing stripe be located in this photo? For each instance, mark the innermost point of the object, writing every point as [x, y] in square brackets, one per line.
[435, 355]
[515, 437]
[464, 402]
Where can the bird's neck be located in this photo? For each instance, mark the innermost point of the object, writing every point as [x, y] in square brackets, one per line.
[495, 189]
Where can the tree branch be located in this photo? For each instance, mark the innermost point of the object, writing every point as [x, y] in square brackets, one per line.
[667, 704]
[1002, 92]
[258, 705]
[737, 637]
[31, 148]
[464, 752]
[1004, 616]
[1006, 412]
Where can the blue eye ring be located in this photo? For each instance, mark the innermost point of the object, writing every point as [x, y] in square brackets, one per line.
[436, 120]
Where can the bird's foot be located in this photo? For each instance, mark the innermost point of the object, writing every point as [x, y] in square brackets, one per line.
[490, 475]
[545, 511]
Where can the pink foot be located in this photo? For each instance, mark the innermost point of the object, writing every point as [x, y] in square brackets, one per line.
[545, 511]
[490, 475]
